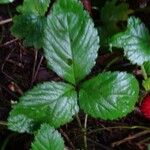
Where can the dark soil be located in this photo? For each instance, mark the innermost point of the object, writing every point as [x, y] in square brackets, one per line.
[21, 68]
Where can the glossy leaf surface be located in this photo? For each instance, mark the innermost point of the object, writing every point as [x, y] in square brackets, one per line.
[71, 41]
[51, 102]
[135, 41]
[48, 138]
[109, 95]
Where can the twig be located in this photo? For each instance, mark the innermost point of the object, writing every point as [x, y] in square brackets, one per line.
[67, 139]
[99, 145]
[9, 42]
[3, 123]
[5, 21]
[37, 70]
[110, 63]
[130, 138]
[34, 66]
[79, 122]
[2, 34]
[119, 127]
[85, 132]
[3, 65]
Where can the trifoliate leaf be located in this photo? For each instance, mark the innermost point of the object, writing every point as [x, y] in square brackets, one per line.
[48, 138]
[109, 95]
[135, 41]
[71, 41]
[50, 102]
[6, 1]
[31, 23]
[147, 67]
[111, 15]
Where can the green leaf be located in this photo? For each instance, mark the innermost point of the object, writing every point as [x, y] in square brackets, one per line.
[71, 41]
[111, 15]
[20, 123]
[109, 95]
[146, 84]
[6, 1]
[38, 7]
[135, 41]
[30, 28]
[50, 102]
[147, 67]
[31, 23]
[48, 138]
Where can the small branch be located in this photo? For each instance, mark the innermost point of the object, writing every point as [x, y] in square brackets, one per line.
[67, 139]
[5, 21]
[3, 123]
[130, 138]
[9, 42]
[119, 127]
[37, 70]
[110, 63]
[34, 66]
[85, 132]
[79, 122]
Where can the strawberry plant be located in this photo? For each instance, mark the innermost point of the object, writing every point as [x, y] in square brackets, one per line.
[70, 43]
[84, 44]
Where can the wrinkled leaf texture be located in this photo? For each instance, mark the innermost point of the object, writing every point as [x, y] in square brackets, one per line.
[109, 95]
[71, 41]
[30, 24]
[135, 41]
[48, 138]
[50, 102]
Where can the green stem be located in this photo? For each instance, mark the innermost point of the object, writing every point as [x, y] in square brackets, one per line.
[78, 120]
[110, 63]
[144, 72]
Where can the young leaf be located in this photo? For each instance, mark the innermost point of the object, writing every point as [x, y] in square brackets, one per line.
[71, 41]
[48, 138]
[30, 24]
[30, 27]
[135, 41]
[111, 15]
[51, 102]
[147, 67]
[37, 7]
[6, 1]
[109, 95]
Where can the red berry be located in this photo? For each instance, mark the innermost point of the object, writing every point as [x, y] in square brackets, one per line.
[145, 107]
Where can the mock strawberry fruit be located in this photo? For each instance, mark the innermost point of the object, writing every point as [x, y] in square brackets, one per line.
[145, 107]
